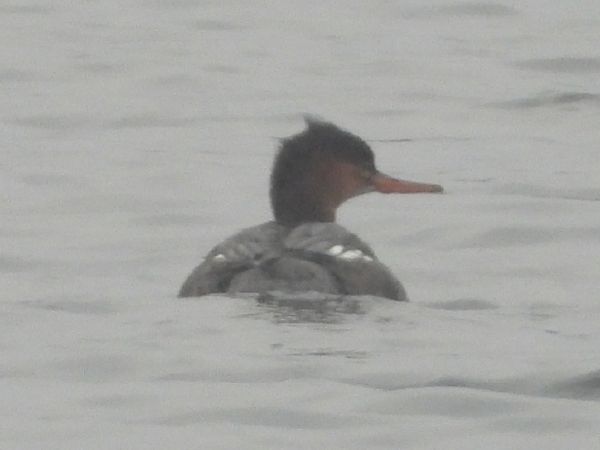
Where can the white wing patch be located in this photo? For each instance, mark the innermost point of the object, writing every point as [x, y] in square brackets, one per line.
[338, 251]
[238, 254]
[220, 258]
[351, 254]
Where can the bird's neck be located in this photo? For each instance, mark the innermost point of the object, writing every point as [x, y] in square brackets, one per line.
[302, 204]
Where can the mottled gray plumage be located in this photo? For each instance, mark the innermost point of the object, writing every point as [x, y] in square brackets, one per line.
[271, 257]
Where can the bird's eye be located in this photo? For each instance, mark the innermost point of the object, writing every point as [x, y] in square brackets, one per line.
[365, 173]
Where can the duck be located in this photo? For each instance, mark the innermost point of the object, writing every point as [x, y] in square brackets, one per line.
[303, 249]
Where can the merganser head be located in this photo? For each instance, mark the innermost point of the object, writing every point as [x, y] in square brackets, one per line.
[317, 170]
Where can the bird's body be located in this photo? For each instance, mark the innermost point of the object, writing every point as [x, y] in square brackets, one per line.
[316, 256]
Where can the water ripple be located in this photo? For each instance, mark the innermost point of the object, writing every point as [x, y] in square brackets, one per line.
[464, 9]
[564, 64]
[550, 100]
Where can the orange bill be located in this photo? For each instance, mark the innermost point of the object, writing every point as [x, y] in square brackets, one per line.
[388, 185]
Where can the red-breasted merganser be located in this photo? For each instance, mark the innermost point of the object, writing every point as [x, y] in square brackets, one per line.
[303, 249]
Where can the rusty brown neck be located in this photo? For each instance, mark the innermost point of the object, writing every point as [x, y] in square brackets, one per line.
[310, 196]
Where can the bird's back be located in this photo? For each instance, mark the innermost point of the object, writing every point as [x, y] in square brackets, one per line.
[321, 257]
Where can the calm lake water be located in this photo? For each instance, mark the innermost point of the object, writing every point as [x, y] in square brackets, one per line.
[138, 134]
